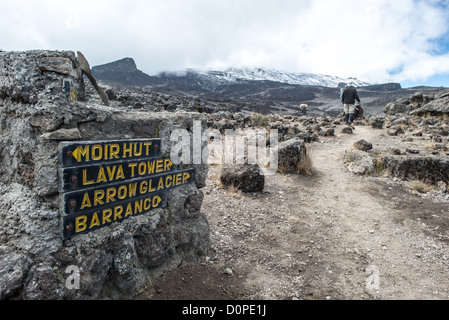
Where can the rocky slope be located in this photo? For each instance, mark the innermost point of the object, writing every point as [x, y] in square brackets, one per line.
[43, 102]
[235, 75]
[123, 71]
[256, 90]
[342, 232]
[366, 219]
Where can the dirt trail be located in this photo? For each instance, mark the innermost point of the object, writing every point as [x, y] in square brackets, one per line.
[331, 235]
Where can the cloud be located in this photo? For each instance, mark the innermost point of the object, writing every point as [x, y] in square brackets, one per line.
[72, 21]
[374, 40]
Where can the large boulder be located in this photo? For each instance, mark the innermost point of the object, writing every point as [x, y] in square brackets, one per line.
[244, 177]
[435, 107]
[427, 169]
[291, 154]
[359, 162]
[43, 102]
[399, 106]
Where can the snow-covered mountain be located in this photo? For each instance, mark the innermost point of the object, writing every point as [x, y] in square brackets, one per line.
[235, 75]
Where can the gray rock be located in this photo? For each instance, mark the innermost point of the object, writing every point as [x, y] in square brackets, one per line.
[42, 283]
[395, 130]
[290, 154]
[363, 145]
[378, 123]
[412, 150]
[13, 269]
[347, 130]
[399, 106]
[442, 186]
[63, 134]
[244, 177]
[359, 162]
[58, 64]
[436, 107]
[422, 168]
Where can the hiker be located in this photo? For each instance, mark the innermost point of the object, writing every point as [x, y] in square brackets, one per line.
[303, 108]
[348, 98]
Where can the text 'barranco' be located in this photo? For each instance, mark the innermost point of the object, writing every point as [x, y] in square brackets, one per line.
[109, 181]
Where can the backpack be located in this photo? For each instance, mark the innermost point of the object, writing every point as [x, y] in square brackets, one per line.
[358, 113]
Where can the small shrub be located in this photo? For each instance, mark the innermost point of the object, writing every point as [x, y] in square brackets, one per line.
[259, 120]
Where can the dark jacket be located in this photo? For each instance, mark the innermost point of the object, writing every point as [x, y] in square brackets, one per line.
[350, 95]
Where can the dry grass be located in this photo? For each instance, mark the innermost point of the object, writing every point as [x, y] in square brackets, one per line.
[421, 187]
[234, 192]
[305, 167]
[431, 146]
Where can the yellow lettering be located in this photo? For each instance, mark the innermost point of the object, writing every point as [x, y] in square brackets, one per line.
[132, 166]
[127, 151]
[80, 224]
[156, 201]
[101, 176]
[132, 190]
[167, 164]
[83, 152]
[120, 173]
[129, 210]
[97, 152]
[121, 193]
[143, 187]
[86, 201]
[159, 166]
[118, 212]
[114, 150]
[142, 168]
[98, 197]
[168, 181]
[110, 194]
[107, 213]
[138, 206]
[185, 177]
[95, 222]
[147, 150]
[147, 204]
[137, 153]
[160, 184]
[178, 179]
[85, 182]
[111, 172]
[151, 166]
[150, 187]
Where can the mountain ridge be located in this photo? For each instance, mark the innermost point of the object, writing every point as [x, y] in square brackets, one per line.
[256, 89]
[125, 71]
[235, 75]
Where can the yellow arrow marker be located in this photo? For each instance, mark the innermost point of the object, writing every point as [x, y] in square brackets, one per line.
[77, 154]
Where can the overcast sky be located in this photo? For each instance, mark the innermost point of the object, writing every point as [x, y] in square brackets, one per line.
[377, 41]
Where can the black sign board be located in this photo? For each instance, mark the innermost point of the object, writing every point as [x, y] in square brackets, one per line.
[102, 182]
[91, 220]
[108, 195]
[88, 176]
[82, 153]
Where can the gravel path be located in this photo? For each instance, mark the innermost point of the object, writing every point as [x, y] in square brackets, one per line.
[330, 235]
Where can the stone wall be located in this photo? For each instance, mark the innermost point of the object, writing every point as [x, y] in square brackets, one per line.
[43, 102]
